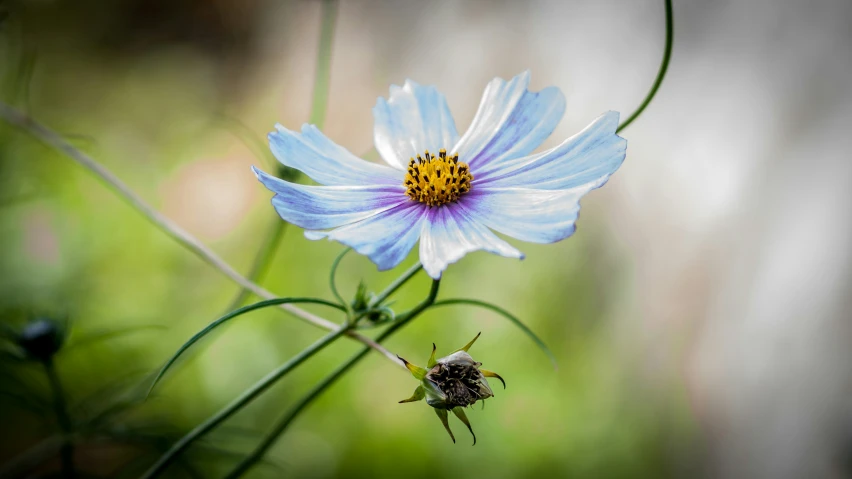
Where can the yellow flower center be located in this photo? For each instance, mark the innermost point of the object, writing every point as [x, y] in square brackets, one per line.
[437, 180]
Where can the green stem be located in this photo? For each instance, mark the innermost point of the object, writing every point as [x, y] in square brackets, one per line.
[53, 140]
[66, 453]
[250, 139]
[664, 66]
[285, 421]
[319, 106]
[238, 403]
[391, 289]
[322, 77]
[511, 317]
[333, 285]
[229, 316]
[261, 261]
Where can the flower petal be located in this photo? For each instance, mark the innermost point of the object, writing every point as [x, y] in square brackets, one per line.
[511, 122]
[322, 207]
[458, 358]
[537, 216]
[593, 154]
[326, 162]
[385, 238]
[449, 233]
[415, 119]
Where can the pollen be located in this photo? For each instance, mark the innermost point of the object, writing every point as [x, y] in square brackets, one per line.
[437, 180]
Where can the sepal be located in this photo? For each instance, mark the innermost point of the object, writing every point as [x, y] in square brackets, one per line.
[459, 412]
[492, 374]
[468, 345]
[444, 417]
[418, 395]
[416, 371]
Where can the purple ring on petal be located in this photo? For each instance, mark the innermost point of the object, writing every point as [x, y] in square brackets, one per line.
[382, 211]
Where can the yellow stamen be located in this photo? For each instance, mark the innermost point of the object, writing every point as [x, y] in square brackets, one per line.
[437, 180]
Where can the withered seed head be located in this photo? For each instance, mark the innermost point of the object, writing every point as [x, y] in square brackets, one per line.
[460, 382]
[452, 383]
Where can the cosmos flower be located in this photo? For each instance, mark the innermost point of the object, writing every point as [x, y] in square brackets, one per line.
[449, 192]
[451, 384]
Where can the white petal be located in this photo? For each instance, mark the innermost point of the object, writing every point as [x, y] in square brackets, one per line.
[386, 238]
[591, 155]
[325, 162]
[415, 119]
[511, 122]
[537, 216]
[321, 207]
[449, 233]
[458, 358]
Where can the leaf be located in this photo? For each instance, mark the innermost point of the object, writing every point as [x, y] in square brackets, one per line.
[11, 355]
[7, 332]
[117, 397]
[25, 394]
[25, 402]
[110, 390]
[111, 333]
[233, 314]
[505, 314]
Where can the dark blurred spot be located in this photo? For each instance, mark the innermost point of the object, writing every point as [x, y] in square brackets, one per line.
[129, 27]
[41, 339]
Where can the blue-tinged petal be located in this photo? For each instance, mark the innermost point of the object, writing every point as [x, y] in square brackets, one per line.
[325, 162]
[537, 216]
[511, 122]
[385, 238]
[591, 155]
[449, 233]
[416, 118]
[322, 207]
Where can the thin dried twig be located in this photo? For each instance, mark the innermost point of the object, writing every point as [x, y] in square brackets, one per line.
[55, 141]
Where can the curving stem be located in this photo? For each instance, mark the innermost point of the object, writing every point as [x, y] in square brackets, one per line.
[66, 452]
[307, 399]
[664, 66]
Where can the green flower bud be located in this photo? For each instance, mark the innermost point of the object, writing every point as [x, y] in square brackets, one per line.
[452, 383]
[362, 297]
[369, 312]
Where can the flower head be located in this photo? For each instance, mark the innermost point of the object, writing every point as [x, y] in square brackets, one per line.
[446, 190]
[452, 383]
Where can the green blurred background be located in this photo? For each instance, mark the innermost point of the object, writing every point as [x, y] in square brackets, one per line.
[170, 96]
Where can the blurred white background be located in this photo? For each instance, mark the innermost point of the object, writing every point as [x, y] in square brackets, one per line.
[734, 202]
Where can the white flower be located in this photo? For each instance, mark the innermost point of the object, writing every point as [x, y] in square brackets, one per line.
[447, 191]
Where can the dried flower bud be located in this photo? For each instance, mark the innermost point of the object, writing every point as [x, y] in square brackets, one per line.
[452, 383]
